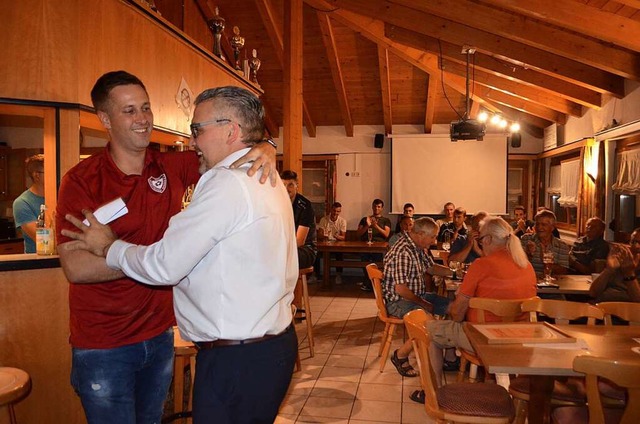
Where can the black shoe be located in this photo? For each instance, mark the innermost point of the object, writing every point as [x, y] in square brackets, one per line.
[417, 396]
[451, 365]
[366, 288]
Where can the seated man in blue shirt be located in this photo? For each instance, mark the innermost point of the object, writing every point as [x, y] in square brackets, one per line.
[405, 286]
[466, 249]
[589, 248]
[26, 207]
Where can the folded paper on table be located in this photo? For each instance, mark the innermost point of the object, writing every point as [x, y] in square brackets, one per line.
[579, 344]
[109, 212]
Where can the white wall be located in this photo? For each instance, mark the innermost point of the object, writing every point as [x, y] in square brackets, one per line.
[371, 165]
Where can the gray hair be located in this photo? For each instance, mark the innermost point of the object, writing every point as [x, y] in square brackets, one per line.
[246, 106]
[425, 225]
[502, 235]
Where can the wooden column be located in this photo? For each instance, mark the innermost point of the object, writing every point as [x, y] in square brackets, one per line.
[292, 102]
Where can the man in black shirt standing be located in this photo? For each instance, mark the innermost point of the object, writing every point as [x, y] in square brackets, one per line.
[304, 219]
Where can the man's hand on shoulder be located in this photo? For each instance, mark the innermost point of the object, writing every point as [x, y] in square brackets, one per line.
[263, 155]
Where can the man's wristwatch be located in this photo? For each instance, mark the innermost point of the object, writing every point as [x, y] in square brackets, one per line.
[629, 278]
[273, 143]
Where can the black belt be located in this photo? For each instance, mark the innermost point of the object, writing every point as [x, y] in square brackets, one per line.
[225, 342]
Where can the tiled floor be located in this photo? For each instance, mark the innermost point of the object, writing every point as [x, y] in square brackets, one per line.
[342, 382]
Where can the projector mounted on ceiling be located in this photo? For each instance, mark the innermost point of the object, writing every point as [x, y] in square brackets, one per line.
[467, 129]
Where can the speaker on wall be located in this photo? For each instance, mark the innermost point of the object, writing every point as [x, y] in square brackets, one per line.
[515, 139]
[378, 141]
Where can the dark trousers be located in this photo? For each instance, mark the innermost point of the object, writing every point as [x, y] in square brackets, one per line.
[306, 257]
[244, 383]
[370, 258]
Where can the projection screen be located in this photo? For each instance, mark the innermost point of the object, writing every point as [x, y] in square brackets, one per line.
[430, 170]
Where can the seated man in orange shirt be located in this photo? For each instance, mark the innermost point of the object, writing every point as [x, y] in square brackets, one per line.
[503, 273]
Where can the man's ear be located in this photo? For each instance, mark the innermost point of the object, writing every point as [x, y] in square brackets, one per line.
[234, 134]
[104, 119]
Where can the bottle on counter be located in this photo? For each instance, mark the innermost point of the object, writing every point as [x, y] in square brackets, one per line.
[44, 234]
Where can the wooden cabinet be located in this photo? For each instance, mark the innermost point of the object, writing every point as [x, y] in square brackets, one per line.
[12, 247]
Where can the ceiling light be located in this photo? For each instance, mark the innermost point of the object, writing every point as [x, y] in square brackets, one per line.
[483, 116]
[515, 127]
[495, 119]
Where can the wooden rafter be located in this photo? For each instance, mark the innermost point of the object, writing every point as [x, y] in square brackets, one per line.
[531, 94]
[499, 68]
[336, 71]
[515, 52]
[292, 79]
[581, 18]
[533, 33]
[385, 87]
[267, 13]
[430, 107]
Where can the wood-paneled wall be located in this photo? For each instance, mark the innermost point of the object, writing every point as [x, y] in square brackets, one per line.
[55, 50]
[34, 329]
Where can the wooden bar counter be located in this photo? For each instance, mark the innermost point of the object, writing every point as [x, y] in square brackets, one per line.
[34, 336]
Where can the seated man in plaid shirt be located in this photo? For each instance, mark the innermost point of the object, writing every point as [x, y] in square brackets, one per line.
[407, 267]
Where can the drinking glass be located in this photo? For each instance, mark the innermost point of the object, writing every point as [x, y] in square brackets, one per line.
[370, 236]
[446, 244]
[547, 260]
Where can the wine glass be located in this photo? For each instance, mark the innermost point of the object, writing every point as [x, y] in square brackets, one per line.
[370, 236]
[548, 261]
[446, 243]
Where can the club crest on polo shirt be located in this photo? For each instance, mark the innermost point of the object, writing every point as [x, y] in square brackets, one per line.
[158, 184]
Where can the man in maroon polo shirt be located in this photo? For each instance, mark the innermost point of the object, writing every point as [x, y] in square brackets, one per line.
[121, 330]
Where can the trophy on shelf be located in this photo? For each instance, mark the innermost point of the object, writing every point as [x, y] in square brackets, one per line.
[216, 25]
[237, 43]
[254, 64]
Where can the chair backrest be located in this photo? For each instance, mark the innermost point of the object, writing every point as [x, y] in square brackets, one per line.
[562, 311]
[375, 275]
[624, 373]
[507, 309]
[628, 311]
[415, 322]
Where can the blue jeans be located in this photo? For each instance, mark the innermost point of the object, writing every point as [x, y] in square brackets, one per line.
[124, 385]
[401, 307]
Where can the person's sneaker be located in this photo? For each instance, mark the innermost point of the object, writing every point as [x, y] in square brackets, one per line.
[366, 287]
[338, 279]
[451, 365]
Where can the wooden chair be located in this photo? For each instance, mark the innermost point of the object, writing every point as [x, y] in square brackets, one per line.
[623, 373]
[456, 402]
[564, 393]
[185, 358]
[304, 309]
[390, 322]
[293, 315]
[562, 311]
[507, 309]
[628, 311]
[14, 385]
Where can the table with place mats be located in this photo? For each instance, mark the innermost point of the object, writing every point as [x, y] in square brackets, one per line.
[542, 364]
[326, 248]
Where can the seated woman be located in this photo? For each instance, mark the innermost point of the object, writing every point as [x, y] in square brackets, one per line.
[504, 272]
[619, 280]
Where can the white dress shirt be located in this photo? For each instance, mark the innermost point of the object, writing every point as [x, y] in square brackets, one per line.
[231, 255]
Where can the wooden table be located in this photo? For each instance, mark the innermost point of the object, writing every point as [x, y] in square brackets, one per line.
[569, 284]
[329, 247]
[542, 364]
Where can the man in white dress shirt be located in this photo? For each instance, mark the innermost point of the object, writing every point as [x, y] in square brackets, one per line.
[232, 258]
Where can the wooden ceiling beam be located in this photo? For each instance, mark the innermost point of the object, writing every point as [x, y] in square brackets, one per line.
[530, 94]
[578, 17]
[533, 33]
[267, 14]
[517, 53]
[430, 107]
[499, 68]
[385, 87]
[336, 71]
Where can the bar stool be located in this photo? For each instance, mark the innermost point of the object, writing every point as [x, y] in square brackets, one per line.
[305, 307]
[185, 356]
[14, 385]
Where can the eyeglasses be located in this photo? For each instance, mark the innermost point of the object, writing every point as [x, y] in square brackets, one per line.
[197, 125]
